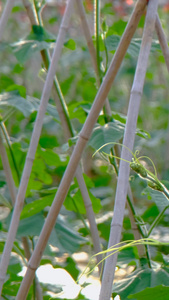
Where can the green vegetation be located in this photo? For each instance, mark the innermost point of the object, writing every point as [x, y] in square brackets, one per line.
[50, 124]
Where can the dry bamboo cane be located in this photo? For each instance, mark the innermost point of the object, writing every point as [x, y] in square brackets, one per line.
[5, 16]
[162, 40]
[76, 155]
[128, 142]
[79, 176]
[85, 26]
[12, 191]
[33, 144]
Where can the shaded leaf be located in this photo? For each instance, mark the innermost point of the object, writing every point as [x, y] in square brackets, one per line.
[139, 280]
[31, 226]
[37, 40]
[109, 133]
[158, 197]
[26, 106]
[65, 238]
[5, 202]
[112, 42]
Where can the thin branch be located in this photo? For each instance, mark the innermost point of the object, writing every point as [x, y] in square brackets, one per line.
[33, 144]
[76, 155]
[128, 142]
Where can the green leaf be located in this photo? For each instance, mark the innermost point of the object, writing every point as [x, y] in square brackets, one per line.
[158, 197]
[65, 238]
[139, 280]
[112, 42]
[74, 201]
[48, 141]
[31, 226]
[26, 106]
[51, 158]
[37, 206]
[5, 202]
[109, 133]
[156, 293]
[127, 256]
[37, 40]
[70, 44]
[40, 34]
[25, 49]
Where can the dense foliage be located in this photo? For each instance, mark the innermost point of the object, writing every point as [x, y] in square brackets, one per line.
[22, 76]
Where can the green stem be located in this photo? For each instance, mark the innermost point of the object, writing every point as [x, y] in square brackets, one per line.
[81, 217]
[157, 220]
[10, 149]
[140, 230]
[97, 32]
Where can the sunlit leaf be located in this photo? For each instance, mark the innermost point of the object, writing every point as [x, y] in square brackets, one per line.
[155, 293]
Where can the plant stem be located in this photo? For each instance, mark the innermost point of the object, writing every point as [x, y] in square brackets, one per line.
[97, 32]
[129, 137]
[3, 128]
[7, 170]
[77, 152]
[156, 221]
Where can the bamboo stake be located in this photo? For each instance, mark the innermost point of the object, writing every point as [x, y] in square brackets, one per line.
[86, 30]
[162, 40]
[33, 144]
[31, 12]
[87, 35]
[12, 191]
[129, 137]
[5, 16]
[69, 133]
[76, 155]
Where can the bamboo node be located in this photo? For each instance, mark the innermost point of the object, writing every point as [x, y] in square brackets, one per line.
[83, 137]
[32, 268]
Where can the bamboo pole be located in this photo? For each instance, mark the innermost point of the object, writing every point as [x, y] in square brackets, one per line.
[128, 142]
[76, 155]
[86, 30]
[12, 191]
[69, 133]
[33, 144]
[162, 40]
[5, 16]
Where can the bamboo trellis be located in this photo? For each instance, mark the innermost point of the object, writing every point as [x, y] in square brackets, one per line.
[152, 20]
